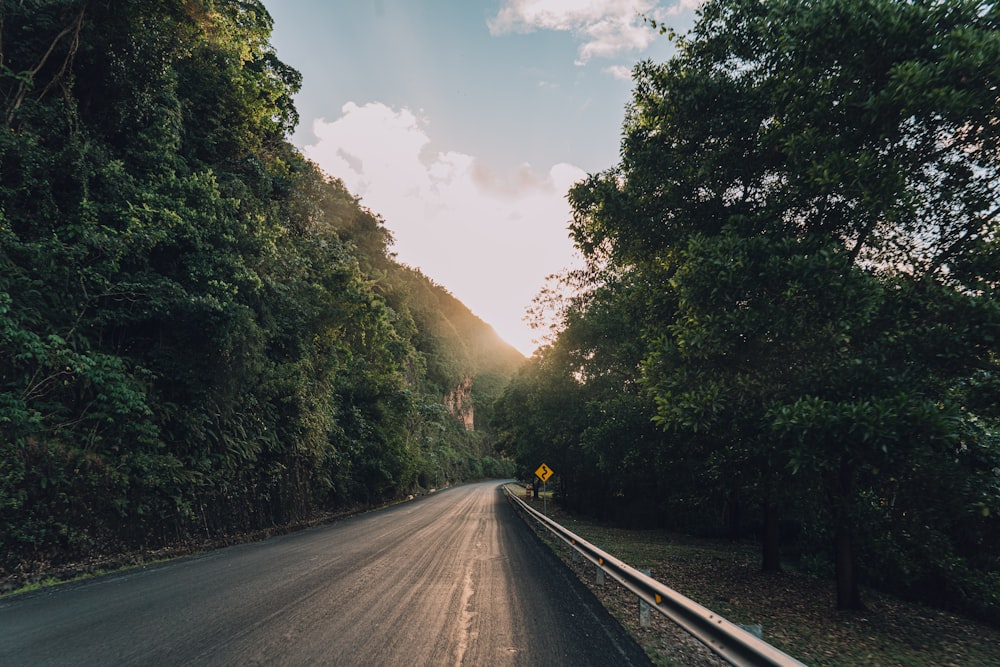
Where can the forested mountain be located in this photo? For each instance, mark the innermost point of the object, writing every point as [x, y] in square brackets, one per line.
[788, 323]
[200, 333]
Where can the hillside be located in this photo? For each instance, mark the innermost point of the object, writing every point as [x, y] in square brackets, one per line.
[201, 334]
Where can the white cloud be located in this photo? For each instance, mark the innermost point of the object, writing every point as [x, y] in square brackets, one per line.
[605, 28]
[619, 72]
[490, 236]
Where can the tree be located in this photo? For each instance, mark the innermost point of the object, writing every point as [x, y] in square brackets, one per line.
[815, 183]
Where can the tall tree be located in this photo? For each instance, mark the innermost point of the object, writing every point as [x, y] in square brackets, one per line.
[818, 184]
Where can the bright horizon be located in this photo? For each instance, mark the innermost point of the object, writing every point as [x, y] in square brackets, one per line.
[465, 124]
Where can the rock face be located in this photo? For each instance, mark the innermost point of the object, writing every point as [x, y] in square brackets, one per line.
[459, 404]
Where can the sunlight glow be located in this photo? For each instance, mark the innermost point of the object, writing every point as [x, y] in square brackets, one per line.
[510, 224]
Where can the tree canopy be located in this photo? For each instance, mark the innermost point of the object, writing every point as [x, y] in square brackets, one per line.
[806, 212]
[200, 333]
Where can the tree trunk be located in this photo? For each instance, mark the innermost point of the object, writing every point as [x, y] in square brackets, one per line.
[848, 592]
[771, 556]
[839, 488]
[734, 514]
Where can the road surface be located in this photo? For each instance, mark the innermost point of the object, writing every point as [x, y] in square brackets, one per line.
[454, 578]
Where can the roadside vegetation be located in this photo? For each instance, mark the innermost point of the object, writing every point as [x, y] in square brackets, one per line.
[787, 327]
[201, 334]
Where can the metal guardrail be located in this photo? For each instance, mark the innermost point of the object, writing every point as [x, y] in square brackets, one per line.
[731, 642]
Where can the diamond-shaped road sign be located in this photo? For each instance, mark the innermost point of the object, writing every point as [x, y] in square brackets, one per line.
[543, 473]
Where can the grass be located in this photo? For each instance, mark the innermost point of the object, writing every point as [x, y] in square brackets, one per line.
[35, 585]
[797, 611]
[64, 577]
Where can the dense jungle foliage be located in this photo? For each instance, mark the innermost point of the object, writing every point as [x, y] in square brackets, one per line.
[788, 322]
[200, 333]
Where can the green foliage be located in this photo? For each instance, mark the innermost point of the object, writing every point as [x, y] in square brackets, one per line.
[806, 216]
[578, 407]
[200, 332]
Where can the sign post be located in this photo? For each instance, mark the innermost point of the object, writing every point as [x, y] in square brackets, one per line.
[543, 473]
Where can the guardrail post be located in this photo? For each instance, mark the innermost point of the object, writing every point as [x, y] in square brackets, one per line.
[645, 611]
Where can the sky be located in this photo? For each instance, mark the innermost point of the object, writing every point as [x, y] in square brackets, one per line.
[464, 123]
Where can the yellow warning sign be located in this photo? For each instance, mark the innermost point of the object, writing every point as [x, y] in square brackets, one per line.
[543, 473]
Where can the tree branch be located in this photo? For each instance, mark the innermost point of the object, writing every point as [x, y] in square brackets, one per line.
[22, 90]
[949, 251]
[862, 238]
[74, 45]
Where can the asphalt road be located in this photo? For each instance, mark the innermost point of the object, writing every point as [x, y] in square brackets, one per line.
[454, 578]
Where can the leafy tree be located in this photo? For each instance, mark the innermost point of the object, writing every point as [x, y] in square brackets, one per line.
[200, 333]
[816, 189]
[578, 407]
